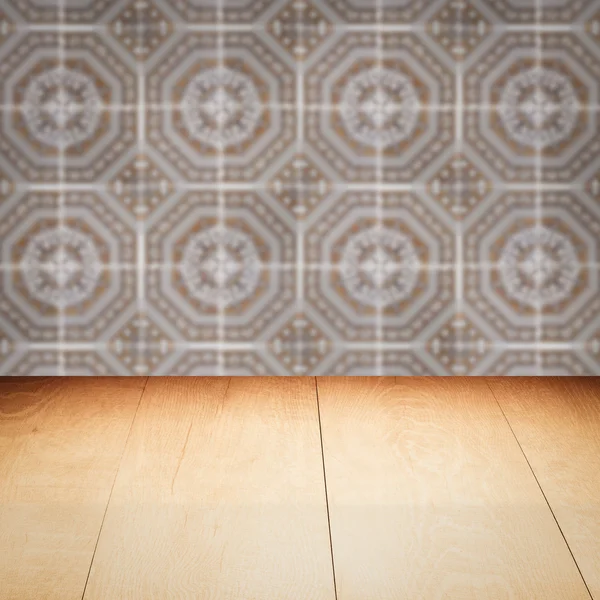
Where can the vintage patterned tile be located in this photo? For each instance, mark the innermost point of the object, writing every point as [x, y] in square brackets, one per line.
[77, 115]
[301, 185]
[143, 343]
[460, 345]
[592, 346]
[525, 363]
[592, 186]
[76, 269]
[7, 26]
[529, 271]
[300, 27]
[458, 27]
[356, 12]
[592, 26]
[235, 363]
[240, 12]
[361, 267]
[300, 344]
[38, 363]
[374, 113]
[142, 186]
[283, 194]
[369, 362]
[239, 111]
[7, 186]
[142, 28]
[242, 267]
[526, 11]
[72, 11]
[460, 185]
[8, 347]
[369, 12]
[530, 112]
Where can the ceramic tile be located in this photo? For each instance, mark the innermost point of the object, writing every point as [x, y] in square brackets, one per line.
[300, 187]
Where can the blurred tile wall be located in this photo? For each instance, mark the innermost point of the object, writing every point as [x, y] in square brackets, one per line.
[362, 187]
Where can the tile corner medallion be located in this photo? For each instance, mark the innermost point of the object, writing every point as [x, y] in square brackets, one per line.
[300, 187]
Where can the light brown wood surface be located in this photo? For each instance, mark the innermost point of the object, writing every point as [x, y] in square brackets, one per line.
[215, 488]
[60, 446]
[220, 496]
[557, 423]
[430, 496]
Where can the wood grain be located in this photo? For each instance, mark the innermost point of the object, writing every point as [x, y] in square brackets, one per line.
[557, 423]
[220, 495]
[60, 445]
[430, 496]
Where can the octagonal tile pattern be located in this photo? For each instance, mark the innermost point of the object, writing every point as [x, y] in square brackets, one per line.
[226, 118]
[68, 115]
[49, 363]
[236, 273]
[530, 11]
[535, 107]
[536, 274]
[393, 274]
[379, 107]
[82, 12]
[300, 187]
[68, 265]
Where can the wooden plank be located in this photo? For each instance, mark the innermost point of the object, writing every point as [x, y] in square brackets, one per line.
[61, 440]
[220, 495]
[557, 423]
[431, 497]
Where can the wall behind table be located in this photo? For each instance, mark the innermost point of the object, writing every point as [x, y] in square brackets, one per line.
[314, 187]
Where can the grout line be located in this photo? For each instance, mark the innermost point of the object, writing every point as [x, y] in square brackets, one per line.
[221, 200]
[480, 267]
[113, 485]
[308, 108]
[459, 274]
[104, 345]
[539, 486]
[299, 366]
[60, 209]
[141, 198]
[539, 216]
[379, 206]
[418, 26]
[266, 186]
[326, 493]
